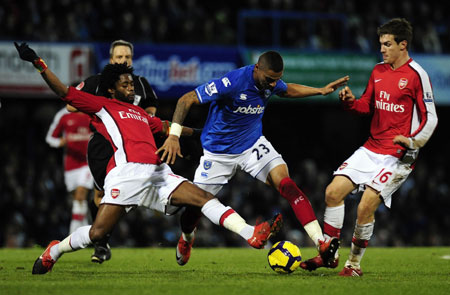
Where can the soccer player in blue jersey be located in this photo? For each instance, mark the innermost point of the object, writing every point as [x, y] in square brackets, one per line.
[232, 139]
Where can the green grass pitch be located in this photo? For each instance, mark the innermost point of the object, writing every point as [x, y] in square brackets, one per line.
[223, 271]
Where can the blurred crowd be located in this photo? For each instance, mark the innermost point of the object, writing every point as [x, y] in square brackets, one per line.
[323, 25]
[35, 208]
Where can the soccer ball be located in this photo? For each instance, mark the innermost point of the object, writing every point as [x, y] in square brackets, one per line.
[284, 257]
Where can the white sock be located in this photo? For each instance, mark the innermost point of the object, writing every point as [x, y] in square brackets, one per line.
[363, 232]
[215, 211]
[334, 216]
[79, 215]
[235, 223]
[314, 231]
[79, 239]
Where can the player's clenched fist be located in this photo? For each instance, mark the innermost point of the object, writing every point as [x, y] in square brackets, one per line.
[346, 94]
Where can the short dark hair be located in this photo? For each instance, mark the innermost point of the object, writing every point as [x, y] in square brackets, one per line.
[120, 43]
[271, 60]
[400, 28]
[111, 74]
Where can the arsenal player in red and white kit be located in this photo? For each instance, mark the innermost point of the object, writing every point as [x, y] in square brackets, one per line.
[71, 131]
[135, 174]
[400, 99]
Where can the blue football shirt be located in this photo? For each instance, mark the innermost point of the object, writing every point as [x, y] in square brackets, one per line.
[234, 121]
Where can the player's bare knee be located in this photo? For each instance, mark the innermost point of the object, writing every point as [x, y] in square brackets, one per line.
[96, 234]
[204, 197]
[333, 196]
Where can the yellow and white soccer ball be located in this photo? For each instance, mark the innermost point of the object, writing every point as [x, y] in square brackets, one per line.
[284, 257]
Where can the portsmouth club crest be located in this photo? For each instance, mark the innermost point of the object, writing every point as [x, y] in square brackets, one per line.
[267, 93]
[207, 164]
[402, 83]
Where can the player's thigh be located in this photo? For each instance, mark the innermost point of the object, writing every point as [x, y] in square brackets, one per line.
[261, 159]
[189, 194]
[107, 217]
[338, 189]
[98, 195]
[214, 171]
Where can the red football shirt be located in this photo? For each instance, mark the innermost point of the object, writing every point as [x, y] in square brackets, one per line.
[401, 102]
[127, 127]
[74, 127]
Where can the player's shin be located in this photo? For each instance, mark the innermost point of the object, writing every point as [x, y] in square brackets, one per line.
[215, 211]
[333, 221]
[360, 241]
[302, 208]
[188, 221]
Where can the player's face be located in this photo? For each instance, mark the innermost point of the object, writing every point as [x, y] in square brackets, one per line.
[124, 88]
[390, 49]
[266, 78]
[121, 54]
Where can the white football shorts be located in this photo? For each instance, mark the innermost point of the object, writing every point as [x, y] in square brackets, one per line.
[215, 170]
[145, 185]
[78, 177]
[383, 173]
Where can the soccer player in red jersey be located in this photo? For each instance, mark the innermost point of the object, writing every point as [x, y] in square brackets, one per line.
[136, 176]
[400, 99]
[71, 131]
[99, 149]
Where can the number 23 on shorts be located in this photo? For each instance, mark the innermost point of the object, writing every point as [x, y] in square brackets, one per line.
[260, 151]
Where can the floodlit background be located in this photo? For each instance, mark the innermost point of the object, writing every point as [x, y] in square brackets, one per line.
[181, 44]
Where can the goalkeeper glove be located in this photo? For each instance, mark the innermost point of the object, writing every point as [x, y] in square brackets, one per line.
[28, 54]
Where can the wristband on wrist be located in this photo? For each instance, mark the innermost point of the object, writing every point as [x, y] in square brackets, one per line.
[175, 129]
[40, 65]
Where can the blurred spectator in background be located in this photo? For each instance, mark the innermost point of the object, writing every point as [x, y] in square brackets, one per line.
[70, 130]
[212, 22]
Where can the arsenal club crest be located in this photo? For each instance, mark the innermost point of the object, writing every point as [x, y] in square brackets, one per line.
[402, 83]
[343, 166]
[115, 193]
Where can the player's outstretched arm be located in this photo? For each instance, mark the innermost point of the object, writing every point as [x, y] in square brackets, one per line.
[298, 91]
[28, 54]
[171, 147]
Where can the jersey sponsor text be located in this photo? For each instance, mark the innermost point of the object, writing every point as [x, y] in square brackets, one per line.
[132, 115]
[249, 110]
[390, 107]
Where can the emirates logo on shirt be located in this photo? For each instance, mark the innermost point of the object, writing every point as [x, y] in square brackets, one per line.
[384, 104]
[402, 83]
[115, 193]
